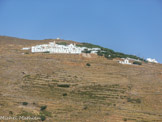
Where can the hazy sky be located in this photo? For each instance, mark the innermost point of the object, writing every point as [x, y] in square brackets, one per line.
[128, 26]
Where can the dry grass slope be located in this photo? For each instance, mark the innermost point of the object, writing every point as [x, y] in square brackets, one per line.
[105, 91]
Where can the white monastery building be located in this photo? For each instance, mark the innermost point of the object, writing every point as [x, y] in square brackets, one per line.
[52, 47]
[151, 60]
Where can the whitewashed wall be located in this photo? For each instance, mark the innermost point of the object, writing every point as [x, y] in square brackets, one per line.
[52, 47]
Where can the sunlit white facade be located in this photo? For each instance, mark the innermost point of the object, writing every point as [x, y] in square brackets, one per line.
[151, 60]
[126, 61]
[52, 47]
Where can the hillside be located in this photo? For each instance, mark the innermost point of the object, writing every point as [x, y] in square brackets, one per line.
[60, 87]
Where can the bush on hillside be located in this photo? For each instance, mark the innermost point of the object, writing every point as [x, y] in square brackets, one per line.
[106, 52]
[43, 107]
[25, 103]
[88, 64]
[64, 94]
[137, 63]
[64, 85]
[86, 51]
[88, 45]
[42, 117]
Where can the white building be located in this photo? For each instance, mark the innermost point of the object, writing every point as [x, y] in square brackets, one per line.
[94, 51]
[26, 48]
[52, 47]
[132, 59]
[151, 60]
[126, 61]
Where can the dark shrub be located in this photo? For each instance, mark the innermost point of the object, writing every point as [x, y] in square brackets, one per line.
[88, 64]
[25, 103]
[10, 112]
[43, 107]
[86, 51]
[137, 63]
[63, 85]
[64, 94]
[42, 117]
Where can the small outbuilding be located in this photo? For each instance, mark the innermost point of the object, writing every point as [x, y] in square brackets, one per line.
[125, 61]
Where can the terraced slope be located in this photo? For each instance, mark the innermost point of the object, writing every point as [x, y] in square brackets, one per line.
[61, 87]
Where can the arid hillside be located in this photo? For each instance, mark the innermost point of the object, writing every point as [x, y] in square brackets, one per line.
[76, 88]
